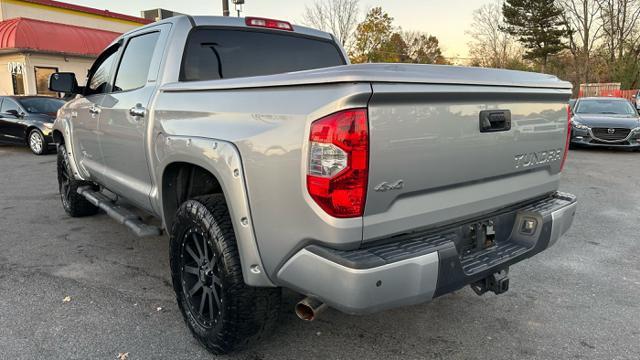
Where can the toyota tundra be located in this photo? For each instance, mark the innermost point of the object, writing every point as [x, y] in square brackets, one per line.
[273, 163]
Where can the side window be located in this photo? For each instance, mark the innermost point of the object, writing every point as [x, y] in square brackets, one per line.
[9, 104]
[100, 73]
[134, 66]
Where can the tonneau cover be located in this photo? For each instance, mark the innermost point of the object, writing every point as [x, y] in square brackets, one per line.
[384, 73]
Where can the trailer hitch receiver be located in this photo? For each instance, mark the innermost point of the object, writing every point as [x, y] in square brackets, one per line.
[497, 282]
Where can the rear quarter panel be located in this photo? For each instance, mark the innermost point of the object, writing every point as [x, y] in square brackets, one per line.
[269, 127]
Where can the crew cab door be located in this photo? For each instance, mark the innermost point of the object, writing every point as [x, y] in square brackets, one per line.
[124, 116]
[85, 113]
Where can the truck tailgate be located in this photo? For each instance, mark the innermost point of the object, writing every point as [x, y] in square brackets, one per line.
[434, 158]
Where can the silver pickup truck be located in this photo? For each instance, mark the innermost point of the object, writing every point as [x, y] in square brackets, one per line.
[274, 163]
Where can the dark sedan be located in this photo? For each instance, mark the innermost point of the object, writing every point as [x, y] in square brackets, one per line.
[605, 122]
[27, 120]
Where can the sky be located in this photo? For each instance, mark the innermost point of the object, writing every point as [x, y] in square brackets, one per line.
[446, 19]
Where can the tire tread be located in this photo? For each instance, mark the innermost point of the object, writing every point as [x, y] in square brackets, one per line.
[250, 312]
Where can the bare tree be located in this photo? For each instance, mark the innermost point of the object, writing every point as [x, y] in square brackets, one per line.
[583, 17]
[490, 46]
[339, 17]
[620, 19]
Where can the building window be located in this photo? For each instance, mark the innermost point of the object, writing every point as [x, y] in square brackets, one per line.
[18, 83]
[42, 80]
[17, 78]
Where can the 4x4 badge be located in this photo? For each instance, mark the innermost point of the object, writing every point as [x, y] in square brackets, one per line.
[385, 186]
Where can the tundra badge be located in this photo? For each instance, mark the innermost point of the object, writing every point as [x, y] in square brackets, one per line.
[537, 158]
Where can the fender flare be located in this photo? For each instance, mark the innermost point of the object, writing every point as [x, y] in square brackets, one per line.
[63, 126]
[222, 159]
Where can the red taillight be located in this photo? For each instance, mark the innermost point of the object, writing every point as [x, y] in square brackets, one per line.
[339, 163]
[566, 147]
[268, 23]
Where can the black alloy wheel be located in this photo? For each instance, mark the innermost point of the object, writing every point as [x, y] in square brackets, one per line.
[201, 278]
[64, 183]
[223, 313]
[73, 203]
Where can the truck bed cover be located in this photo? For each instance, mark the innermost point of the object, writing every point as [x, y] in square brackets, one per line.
[384, 73]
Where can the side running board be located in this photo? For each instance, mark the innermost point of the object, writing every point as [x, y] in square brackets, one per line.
[119, 213]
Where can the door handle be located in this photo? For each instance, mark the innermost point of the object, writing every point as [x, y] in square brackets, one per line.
[137, 111]
[495, 120]
[94, 110]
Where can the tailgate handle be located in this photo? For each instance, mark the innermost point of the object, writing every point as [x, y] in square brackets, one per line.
[495, 120]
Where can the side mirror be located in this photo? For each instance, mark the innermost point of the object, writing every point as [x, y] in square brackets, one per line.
[64, 82]
[15, 113]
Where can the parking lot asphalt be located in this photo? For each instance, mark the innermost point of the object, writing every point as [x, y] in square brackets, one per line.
[579, 300]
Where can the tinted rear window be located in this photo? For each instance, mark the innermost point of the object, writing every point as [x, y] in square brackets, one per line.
[41, 105]
[223, 54]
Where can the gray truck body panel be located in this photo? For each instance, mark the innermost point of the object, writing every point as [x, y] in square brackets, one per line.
[252, 135]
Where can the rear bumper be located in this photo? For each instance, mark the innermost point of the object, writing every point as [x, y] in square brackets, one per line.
[418, 266]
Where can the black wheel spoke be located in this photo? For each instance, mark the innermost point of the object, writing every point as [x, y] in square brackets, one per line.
[214, 291]
[202, 301]
[202, 280]
[197, 286]
[195, 240]
[214, 260]
[216, 280]
[193, 255]
[206, 249]
[192, 270]
[65, 180]
[212, 315]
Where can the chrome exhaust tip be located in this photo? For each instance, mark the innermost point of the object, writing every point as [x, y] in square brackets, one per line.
[308, 309]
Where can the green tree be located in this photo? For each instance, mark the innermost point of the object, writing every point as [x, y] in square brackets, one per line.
[538, 25]
[423, 48]
[372, 36]
[626, 69]
[394, 50]
[377, 40]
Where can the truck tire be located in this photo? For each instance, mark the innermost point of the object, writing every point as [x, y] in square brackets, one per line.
[222, 312]
[73, 203]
